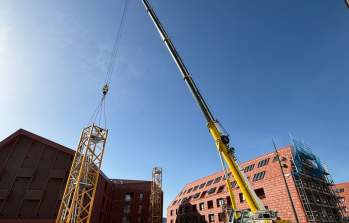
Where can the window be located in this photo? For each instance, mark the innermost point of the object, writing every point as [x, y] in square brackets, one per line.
[340, 190]
[189, 190]
[196, 195]
[209, 204]
[276, 158]
[125, 220]
[259, 176]
[249, 168]
[174, 202]
[221, 216]
[201, 206]
[209, 183]
[229, 174]
[141, 196]
[203, 194]
[220, 189]
[263, 162]
[228, 200]
[241, 197]
[217, 180]
[233, 184]
[202, 185]
[219, 202]
[211, 218]
[128, 197]
[171, 213]
[196, 187]
[212, 190]
[260, 193]
[127, 209]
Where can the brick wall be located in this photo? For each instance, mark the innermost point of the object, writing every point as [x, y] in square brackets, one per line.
[342, 190]
[33, 174]
[275, 193]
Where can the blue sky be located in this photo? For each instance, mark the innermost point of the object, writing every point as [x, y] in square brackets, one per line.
[266, 68]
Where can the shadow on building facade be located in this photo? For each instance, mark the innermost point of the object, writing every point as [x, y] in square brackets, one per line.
[188, 213]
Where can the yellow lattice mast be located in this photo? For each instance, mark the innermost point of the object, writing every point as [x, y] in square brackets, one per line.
[156, 196]
[80, 191]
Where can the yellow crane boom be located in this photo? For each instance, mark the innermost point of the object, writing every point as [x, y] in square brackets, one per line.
[220, 137]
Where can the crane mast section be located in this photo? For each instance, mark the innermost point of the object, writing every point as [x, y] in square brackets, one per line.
[253, 201]
[80, 191]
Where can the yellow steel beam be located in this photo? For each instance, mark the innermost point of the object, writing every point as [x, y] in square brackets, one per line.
[79, 194]
[251, 198]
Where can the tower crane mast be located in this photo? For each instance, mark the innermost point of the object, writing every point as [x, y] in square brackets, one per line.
[258, 212]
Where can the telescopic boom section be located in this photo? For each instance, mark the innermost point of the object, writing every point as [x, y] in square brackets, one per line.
[184, 71]
[221, 139]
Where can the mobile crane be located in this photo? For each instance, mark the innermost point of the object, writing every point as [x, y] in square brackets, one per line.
[257, 213]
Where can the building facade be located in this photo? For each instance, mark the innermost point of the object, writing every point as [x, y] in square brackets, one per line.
[342, 190]
[204, 200]
[33, 174]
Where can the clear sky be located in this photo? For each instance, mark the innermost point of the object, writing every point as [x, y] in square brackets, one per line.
[267, 68]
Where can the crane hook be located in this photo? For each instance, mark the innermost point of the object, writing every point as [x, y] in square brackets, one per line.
[105, 89]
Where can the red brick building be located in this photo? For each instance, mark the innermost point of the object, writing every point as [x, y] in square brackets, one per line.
[33, 174]
[342, 190]
[201, 200]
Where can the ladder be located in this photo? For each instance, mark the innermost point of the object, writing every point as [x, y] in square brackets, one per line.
[302, 194]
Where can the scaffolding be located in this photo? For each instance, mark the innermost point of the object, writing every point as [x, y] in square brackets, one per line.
[315, 186]
[80, 191]
[156, 196]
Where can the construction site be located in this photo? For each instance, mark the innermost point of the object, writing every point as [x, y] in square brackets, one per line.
[42, 181]
[291, 180]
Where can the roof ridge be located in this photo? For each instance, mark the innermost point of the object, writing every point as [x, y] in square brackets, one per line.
[37, 138]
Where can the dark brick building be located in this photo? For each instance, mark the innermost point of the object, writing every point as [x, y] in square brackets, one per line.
[33, 174]
[203, 200]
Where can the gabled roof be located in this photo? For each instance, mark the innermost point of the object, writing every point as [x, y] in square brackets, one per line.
[22, 132]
